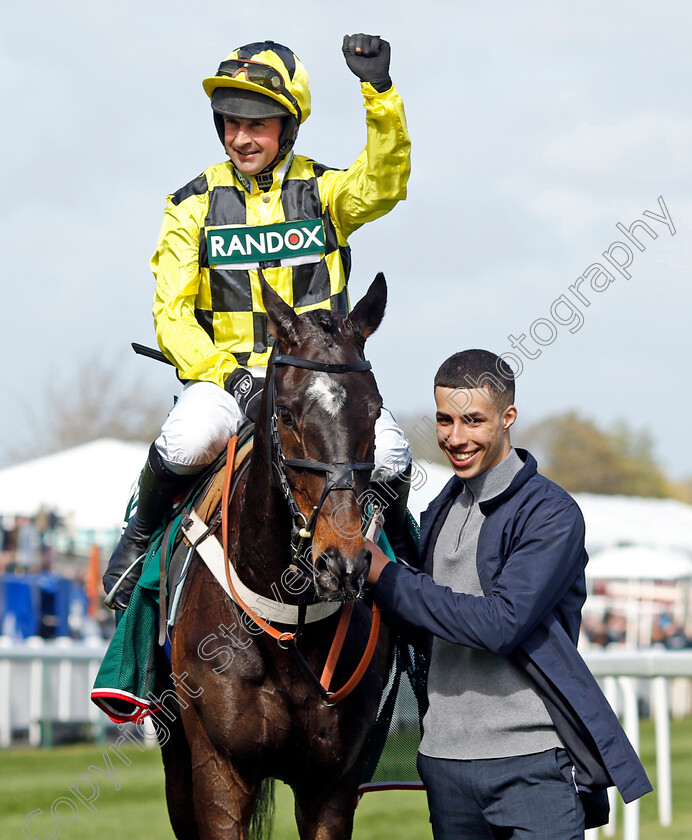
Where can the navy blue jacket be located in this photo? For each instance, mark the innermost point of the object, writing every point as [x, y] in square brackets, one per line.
[531, 561]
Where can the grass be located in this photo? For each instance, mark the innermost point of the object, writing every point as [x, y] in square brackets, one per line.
[39, 779]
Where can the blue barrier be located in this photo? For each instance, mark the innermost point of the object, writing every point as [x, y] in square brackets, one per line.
[38, 605]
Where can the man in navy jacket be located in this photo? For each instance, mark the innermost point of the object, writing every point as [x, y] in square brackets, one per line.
[519, 740]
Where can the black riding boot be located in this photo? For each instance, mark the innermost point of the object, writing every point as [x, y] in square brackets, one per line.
[158, 486]
[394, 495]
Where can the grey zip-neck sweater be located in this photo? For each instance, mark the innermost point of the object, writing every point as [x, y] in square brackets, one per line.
[481, 705]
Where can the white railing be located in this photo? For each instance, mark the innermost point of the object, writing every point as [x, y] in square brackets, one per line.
[619, 673]
[44, 682]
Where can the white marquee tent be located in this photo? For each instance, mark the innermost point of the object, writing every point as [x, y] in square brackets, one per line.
[88, 485]
[638, 562]
[622, 520]
[91, 484]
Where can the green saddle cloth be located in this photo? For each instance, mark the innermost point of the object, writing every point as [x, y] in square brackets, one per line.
[124, 685]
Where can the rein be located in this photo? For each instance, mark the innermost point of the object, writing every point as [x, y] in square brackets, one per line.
[339, 476]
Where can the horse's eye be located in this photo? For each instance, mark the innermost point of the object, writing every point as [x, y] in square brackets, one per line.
[285, 415]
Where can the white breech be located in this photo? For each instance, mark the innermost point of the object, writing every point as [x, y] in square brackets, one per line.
[205, 416]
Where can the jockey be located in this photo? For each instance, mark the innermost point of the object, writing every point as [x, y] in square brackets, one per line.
[270, 209]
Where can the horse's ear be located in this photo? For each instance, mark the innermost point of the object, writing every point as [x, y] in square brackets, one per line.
[282, 320]
[367, 314]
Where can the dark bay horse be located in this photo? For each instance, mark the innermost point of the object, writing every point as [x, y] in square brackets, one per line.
[249, 709]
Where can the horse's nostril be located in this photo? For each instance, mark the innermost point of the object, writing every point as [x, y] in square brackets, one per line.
[329, 561]
[339, 577]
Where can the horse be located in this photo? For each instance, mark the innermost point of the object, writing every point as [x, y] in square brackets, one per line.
[249, 711]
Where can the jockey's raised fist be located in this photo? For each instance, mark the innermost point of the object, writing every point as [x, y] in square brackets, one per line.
[368, 57]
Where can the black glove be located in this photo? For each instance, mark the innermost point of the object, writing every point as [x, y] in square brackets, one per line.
[246, 390]
[368, 57]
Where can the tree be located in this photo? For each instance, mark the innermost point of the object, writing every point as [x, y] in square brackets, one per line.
[98, 401]
[682, 490]
[582, 458]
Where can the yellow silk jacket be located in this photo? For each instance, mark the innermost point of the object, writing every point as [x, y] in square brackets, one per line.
[219, 229]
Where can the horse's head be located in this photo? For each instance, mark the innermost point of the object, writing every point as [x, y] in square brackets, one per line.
[324, 431]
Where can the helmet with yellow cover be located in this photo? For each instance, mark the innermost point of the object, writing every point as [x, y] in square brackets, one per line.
[260, 81]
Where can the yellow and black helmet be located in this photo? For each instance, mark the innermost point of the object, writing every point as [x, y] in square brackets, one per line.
[259, 81]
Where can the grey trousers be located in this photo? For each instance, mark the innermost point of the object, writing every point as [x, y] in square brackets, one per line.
[527, 796]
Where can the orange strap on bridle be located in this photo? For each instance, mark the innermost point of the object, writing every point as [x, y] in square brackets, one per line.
[358, 674]
[337, 645]
[284, 637]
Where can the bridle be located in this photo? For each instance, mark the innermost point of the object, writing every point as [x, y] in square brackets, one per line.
[339, 475]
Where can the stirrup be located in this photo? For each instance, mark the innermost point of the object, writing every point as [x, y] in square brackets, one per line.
[108, 600]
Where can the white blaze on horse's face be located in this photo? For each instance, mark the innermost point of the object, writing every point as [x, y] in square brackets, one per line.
[329, 395]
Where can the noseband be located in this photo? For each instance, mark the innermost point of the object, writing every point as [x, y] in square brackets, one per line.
[339, 475]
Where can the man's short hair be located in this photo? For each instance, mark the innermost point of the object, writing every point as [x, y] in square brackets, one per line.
[478, 369]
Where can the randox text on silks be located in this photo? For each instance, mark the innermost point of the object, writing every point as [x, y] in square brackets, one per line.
[239, 244]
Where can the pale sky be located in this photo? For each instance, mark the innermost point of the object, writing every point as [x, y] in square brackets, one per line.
[536, 127]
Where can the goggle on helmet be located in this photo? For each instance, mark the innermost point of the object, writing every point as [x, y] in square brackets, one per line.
[259, 81]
